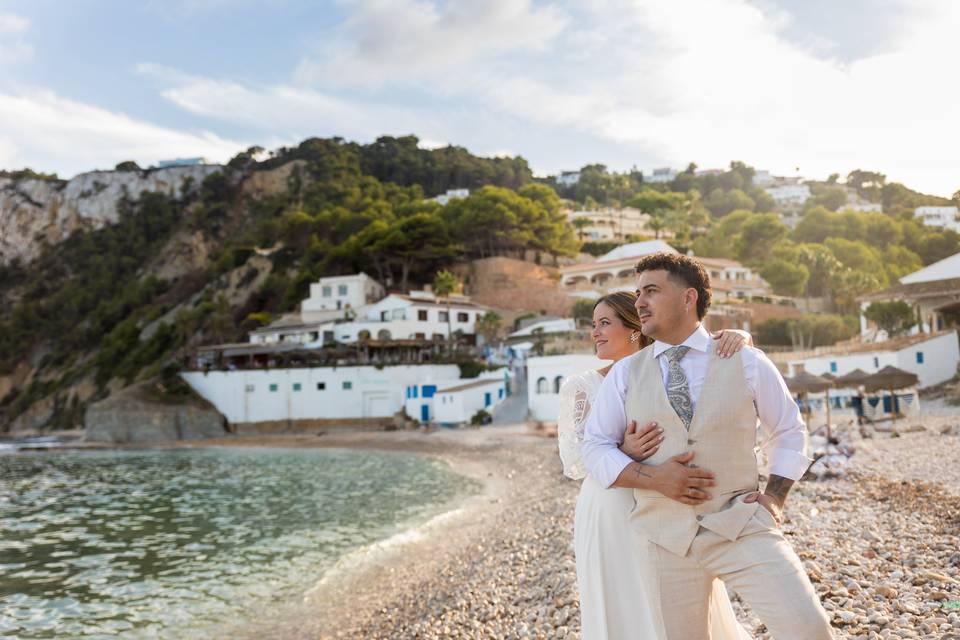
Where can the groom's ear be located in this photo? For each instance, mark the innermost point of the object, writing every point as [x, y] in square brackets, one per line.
[690, 297]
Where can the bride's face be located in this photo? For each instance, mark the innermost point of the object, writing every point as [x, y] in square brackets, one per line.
[610, 336]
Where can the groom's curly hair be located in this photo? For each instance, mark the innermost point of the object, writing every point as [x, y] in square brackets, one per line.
[688, 271]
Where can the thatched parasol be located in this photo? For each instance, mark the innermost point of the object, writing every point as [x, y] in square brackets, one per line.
[890, 378]
[805, 383]
[853, 379]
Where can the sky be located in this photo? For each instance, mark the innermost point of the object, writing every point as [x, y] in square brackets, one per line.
[797, 87]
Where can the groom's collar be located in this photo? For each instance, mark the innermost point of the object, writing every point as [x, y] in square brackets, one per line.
[699, 340]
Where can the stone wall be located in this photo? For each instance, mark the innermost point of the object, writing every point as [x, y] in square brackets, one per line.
[516, 285]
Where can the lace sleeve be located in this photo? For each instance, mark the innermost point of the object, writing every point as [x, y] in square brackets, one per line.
[574, 409]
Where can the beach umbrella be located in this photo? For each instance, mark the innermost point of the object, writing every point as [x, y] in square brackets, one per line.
[852, 379]
[828, 376]
[805, 382]
[890, 378]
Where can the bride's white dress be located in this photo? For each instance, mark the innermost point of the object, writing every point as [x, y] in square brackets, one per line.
[612, 563]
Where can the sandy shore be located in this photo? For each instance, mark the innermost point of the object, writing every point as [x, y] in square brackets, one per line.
[882, 546]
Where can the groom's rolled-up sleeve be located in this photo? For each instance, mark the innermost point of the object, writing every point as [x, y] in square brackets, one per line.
[605, 427]
[786, 444]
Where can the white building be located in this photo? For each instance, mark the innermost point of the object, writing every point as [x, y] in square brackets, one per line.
[933, 357]
[762, 178]
[455, 401]
[609, 223]
[181, 162]
[452, 194]
[559, 325]
[568, 178]
[312, 394]
[611, 271]
[661, 176]
[418, 316]
[945, 269]
[338, 293]
[944, 217]
[545, 376]
[789, 195]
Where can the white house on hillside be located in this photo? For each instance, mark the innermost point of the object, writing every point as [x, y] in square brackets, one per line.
[944, 217]
[338, 293]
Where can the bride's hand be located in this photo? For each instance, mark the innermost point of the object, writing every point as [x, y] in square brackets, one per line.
[642, 444]
[729, 341]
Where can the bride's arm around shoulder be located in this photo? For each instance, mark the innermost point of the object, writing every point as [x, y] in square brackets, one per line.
[571, 419]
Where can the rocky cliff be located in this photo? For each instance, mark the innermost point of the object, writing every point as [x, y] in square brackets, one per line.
[135, 415]
[35, 212]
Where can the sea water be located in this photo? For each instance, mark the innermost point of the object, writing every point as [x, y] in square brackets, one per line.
[165, 543]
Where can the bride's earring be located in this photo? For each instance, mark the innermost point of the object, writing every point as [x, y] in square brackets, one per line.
[634, 337]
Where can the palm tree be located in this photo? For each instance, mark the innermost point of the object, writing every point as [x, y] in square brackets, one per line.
[444, 284]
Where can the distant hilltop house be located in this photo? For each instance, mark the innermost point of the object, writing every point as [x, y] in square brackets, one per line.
[614, 271]
[331, 296]
[661, 176]
[568, 178]
[610, 223]
[740, 296]
[451, 194]
[944, 217]
[181, 162]
[789, 200]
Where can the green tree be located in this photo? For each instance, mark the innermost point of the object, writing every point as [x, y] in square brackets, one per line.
[894, 317]
[786, 278]
[720, 202]
[758, 235]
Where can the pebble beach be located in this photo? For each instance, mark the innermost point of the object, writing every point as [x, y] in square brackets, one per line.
[881, 545]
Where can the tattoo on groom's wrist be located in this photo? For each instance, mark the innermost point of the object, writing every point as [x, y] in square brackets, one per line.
[777, 488]
[638, 469]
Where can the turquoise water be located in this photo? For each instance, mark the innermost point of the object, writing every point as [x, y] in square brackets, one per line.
[162, 544]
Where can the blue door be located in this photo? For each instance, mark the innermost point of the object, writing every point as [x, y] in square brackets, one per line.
[487, 399]
[425, 413]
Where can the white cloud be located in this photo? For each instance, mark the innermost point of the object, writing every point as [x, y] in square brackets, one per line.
[678, 80]
[386, 40]
[50, 133]
[13, 47]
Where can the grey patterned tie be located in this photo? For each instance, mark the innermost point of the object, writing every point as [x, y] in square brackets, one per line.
[678, 389]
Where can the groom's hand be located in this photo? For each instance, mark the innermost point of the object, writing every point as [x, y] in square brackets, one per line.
[682, 483]
[769, 503]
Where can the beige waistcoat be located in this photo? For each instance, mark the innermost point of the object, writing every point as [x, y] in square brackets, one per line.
[722, 435]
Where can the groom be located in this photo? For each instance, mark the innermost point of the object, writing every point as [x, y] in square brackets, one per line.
[708, 525]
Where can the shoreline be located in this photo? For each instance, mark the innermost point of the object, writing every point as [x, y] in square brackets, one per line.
[880, 544]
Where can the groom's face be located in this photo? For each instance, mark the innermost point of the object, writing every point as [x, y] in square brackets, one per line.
[662, 303]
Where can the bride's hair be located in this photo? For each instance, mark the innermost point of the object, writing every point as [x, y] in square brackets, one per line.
[622, 304]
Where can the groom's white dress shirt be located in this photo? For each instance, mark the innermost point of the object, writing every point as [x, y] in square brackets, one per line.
[778, 413]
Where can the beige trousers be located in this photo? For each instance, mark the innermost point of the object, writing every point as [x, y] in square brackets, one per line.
[760, 566]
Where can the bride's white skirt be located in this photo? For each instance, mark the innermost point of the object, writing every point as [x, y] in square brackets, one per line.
[617, 600]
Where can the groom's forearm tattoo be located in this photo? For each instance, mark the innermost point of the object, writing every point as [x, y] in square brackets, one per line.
[638, 469]
[778, 487]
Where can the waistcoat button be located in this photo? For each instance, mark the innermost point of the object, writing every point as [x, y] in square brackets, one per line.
[691, 441]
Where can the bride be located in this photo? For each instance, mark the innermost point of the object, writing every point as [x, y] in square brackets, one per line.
[610, 557]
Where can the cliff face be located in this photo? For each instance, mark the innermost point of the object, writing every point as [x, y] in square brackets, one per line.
[35, 213]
